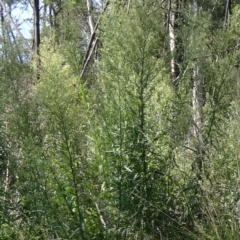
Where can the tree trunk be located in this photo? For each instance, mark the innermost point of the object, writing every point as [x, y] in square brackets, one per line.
[197, 113]
[227, 12]
[36, 26]
[197, 101]
[174, 16]
[37, 35]
[90, 18]
[197, 93]
[171, 22]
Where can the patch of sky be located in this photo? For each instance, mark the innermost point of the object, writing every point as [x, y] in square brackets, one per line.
[22, 14]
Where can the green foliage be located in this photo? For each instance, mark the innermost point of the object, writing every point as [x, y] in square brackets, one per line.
[113, 155]
[133, 144]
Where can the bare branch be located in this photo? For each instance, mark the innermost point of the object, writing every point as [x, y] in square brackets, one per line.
[100, 216]
[92, 44]
[88, 55]
[15, 26]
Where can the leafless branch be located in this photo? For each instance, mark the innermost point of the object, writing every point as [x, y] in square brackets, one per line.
[15, 26]
[100, 216]
[92, 44]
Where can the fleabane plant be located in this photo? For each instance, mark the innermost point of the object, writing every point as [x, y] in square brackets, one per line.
[58, 85]
[63, 123]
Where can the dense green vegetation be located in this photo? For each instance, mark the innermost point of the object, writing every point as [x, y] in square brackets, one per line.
[121, 121]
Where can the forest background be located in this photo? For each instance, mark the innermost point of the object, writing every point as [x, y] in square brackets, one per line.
[119, 119]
